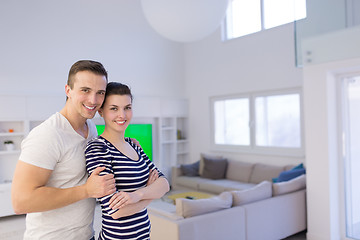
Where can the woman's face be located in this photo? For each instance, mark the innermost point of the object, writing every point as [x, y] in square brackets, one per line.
[117, 112]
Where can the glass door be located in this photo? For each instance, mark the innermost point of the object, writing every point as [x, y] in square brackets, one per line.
[351, 153]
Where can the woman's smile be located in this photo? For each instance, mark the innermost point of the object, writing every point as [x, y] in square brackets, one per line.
[120, 122]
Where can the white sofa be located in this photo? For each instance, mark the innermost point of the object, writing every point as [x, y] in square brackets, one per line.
[273, 214]
[271, 219]
[237, 176]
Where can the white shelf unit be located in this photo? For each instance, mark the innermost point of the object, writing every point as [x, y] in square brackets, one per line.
[8, 159]
[182, 142]
[5, 200]
[173, 143]
[14, 131]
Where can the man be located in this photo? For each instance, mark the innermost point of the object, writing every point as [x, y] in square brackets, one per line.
[50, 181]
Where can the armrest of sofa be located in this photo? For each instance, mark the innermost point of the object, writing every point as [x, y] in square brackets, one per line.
[277, 217]
[229, 223]
[163, 228]
[211, 226]
[175, 173]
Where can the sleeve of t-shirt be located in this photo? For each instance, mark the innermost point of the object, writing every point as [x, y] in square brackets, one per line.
[42, 147]
[92, 129]
[98, 155]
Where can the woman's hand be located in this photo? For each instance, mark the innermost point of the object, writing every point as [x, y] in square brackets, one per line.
[121, 199]
[153, 176]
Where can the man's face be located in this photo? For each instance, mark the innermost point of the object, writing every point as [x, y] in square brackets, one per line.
[88, 93]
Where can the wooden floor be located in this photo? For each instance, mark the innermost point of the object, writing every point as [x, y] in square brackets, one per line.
[298, 236]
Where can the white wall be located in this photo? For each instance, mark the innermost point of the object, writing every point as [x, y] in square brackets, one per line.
[41, 39]
[324, 182]
[257, 62]
[325, 201]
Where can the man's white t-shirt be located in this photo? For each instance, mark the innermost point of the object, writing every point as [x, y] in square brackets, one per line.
[56, 146]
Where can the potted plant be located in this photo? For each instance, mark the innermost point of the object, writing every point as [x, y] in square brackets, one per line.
[9, 145]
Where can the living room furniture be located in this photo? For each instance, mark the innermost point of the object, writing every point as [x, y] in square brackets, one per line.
[219, 174]
[259, 208]
[270, 219]
[189, 195]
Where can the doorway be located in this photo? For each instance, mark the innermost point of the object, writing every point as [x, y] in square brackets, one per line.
[350, 105]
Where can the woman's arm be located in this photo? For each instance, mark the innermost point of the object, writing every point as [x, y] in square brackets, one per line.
[153, 191]
[131, 209]
[136, 207]
[155, 188]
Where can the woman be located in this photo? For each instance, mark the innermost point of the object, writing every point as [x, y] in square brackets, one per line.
[138, 181]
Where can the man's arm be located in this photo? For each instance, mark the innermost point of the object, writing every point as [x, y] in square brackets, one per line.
[29, 192]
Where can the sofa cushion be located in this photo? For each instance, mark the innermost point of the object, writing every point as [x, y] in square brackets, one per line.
[288, 167]
[300, 166]
[263, 172]
[189, 182]
[261, 191]
[213, 168]
[207, 156]
[222, 185]
[290, 174]
[292, 185]
[239, 171]
[189, 208]
[190, 169]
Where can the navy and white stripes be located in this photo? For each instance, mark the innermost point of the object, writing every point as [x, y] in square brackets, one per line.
[129, 176]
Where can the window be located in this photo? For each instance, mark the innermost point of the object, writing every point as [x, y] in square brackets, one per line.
[278, 121]
[249, 16]
[259, 123]
[231, 121]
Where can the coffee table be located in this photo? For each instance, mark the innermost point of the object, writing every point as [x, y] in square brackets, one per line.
[189, 195]
[166, 205]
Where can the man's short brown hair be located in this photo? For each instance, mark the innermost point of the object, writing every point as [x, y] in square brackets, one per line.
[85, 65]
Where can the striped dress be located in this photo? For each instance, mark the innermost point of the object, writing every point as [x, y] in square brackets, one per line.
[129, 176]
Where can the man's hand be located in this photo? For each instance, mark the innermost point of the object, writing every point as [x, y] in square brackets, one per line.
[121, 199]
[99, 186]
[136, 142]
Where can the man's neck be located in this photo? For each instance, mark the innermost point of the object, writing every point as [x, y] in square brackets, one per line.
[77, 122]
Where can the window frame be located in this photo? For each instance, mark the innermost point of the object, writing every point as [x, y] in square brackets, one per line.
[252, 147]
[226, 22]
